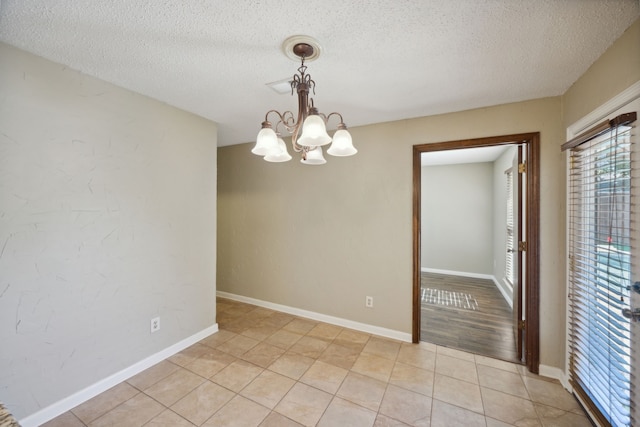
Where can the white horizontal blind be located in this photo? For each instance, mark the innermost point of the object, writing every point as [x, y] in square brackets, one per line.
[600, 232]
[510, 229]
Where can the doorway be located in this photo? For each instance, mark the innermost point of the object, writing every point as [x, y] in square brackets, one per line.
[525, 262]
[469, 231]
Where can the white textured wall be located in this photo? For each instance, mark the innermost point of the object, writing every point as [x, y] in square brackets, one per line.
[457, 217]
[107, 219]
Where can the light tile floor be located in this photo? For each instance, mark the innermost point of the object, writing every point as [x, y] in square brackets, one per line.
[266, 368]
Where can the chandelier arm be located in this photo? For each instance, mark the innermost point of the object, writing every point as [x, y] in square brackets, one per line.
[335, 114]
[280, 115]
[298, 148]
[286, 119]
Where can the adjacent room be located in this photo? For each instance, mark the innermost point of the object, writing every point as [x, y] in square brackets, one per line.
[468, 245]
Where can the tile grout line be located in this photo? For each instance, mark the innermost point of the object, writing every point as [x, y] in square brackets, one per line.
[379, 347]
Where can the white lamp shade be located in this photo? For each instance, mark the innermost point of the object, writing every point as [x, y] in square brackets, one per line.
[342, 144]
[281, 156]
[266, 142]
[314, 132]
[314, 157]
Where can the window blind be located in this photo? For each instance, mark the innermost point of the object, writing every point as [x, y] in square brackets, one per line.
[601, 200]
[510, 229]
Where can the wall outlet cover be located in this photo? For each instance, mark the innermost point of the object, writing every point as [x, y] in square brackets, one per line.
[155, 324]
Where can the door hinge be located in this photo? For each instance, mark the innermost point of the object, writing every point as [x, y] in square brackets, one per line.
[522, 246]
[522, 167]
[521, 324]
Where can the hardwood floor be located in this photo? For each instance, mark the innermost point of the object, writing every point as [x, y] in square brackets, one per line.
[467, 314]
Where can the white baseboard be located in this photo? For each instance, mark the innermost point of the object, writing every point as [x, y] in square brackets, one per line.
[556, 373]
[62, 406]
[363, 327]
[491, 277]
[500, 285]
[458, 273]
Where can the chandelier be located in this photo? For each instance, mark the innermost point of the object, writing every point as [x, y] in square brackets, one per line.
[308, 131]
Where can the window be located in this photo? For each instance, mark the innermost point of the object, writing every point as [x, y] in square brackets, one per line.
[510, 258]
[600, 209]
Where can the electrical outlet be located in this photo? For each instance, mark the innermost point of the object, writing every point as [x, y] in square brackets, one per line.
[155, 324]
[368, 302]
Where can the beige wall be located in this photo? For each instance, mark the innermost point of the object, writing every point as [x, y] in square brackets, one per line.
[107, 219]
[616, 70]
[322, 238]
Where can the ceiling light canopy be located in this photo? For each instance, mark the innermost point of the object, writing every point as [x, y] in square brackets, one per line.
[308, 131]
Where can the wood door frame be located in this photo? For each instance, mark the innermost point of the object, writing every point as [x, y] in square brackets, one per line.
[532, 259]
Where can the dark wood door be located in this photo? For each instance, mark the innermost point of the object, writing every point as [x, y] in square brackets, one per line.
[529, 261]
[518, 175]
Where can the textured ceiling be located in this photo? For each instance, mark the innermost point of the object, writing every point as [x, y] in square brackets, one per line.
[382, 60]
